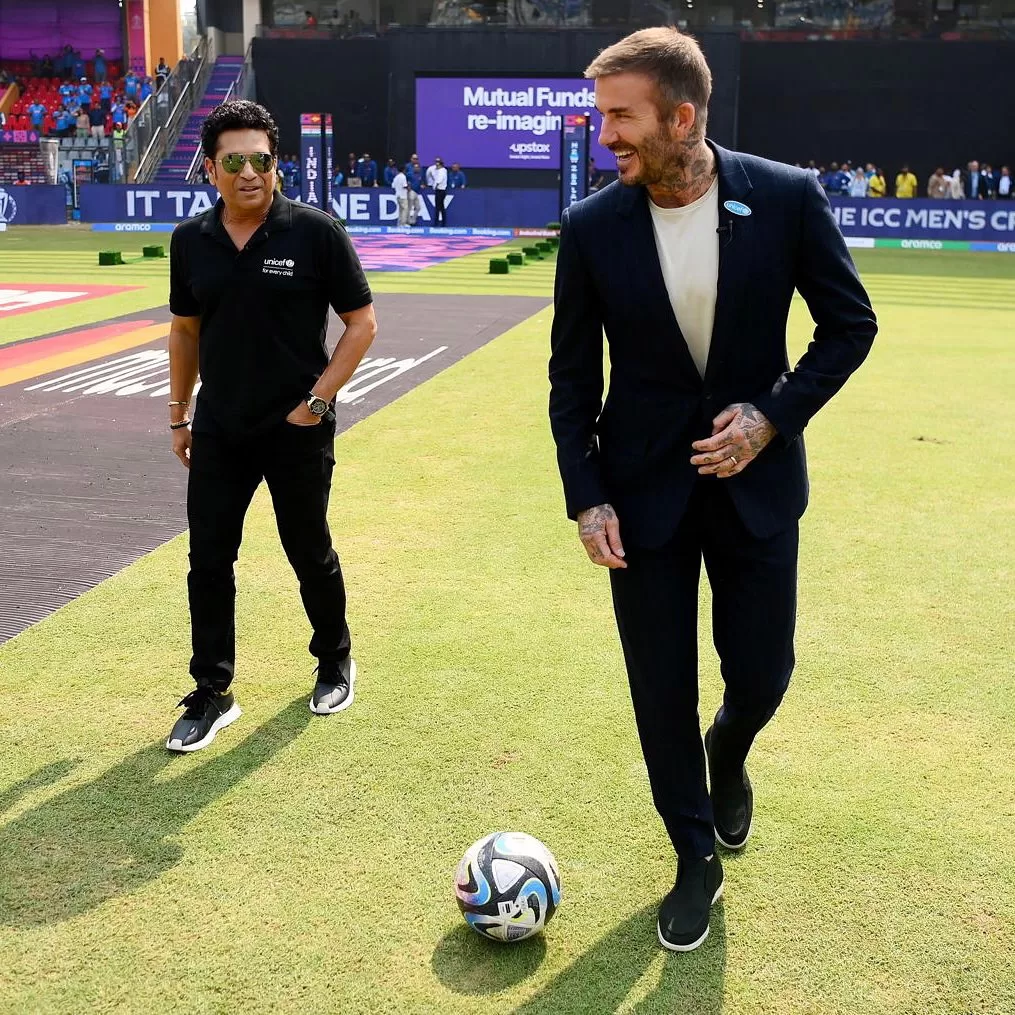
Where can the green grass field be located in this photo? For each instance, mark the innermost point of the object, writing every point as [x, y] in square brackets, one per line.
[305, 864]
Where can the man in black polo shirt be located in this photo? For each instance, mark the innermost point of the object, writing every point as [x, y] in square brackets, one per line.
[251, 281]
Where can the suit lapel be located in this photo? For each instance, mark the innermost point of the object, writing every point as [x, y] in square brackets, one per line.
[734, 251]
[641, 258]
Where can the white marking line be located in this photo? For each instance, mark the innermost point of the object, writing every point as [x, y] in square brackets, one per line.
[148, 371]
[12, 300]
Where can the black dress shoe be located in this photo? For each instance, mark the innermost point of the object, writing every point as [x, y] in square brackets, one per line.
[684, 913]
[732, 797]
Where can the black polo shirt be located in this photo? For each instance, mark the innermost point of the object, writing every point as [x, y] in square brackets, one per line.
[263, 310]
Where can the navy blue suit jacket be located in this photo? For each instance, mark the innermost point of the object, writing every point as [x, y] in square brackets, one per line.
[633, 451]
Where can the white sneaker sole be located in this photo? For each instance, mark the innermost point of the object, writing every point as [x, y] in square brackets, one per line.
[319, 710]
[694, 944]
[718, 837]
[220, 723]
[734, 849]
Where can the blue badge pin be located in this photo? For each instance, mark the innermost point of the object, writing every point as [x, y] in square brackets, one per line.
[737, 208]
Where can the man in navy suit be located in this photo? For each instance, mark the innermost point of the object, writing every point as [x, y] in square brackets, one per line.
[689, 263]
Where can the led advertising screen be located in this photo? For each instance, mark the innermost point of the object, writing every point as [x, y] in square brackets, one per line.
[502, 123]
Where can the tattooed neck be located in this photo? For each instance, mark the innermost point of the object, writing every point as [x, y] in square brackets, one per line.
[691, 174]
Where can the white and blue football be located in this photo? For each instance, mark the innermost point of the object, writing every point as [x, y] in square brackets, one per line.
[508, 886]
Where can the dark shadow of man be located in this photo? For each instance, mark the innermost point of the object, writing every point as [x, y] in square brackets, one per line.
[113, 835]
[598, 982]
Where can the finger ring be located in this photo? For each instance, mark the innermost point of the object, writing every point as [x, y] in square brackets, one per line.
[733, 459]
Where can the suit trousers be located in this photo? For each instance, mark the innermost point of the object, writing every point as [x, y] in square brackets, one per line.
[655, 599]
[440, 215]
[297, 463]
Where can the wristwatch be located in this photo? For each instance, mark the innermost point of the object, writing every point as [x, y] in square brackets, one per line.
[317, 405]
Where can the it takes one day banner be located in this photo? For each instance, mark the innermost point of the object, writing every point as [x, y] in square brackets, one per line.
[132, 206]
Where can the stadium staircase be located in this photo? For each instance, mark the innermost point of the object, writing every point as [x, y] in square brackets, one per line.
[174, 166]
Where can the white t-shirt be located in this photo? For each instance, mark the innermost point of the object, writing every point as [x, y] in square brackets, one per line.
[688, 248]
[1004, 185]
[400, 185]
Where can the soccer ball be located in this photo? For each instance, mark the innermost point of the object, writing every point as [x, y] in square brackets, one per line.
[508, 886]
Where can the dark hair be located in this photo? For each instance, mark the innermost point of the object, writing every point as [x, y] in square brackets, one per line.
[674, 61]
[240, 114]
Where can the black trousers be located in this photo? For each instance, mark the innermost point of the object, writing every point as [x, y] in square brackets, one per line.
[297, 463]
[753, 616]
[440, 215]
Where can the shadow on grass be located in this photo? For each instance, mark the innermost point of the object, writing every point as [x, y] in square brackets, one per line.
[110, 836]
[599, 981]
[43, 777]
[468, 964]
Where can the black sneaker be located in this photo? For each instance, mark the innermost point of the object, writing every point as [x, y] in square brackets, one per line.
[684, 913]
[732, 799]
[207, 713]
[333, 691]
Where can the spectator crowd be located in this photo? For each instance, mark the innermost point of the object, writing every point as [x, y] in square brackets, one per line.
[976, 182]
[69, 98]
[408, 181]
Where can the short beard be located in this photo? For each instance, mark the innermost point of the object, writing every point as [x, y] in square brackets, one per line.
[667, 163]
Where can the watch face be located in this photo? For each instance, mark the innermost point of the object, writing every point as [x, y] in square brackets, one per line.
[318, 406]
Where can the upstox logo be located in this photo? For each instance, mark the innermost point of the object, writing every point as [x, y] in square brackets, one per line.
[278, 266]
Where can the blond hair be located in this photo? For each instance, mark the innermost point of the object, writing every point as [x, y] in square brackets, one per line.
[674, 61]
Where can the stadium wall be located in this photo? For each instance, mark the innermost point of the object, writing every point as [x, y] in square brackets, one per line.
[369, 85]
[36, 205]
[925, 104]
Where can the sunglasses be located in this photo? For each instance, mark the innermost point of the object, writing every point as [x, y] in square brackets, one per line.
[260, 162]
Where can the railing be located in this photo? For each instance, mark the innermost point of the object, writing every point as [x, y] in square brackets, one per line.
[198, 159]
[246, 87]
[241, 88]
[158, 122]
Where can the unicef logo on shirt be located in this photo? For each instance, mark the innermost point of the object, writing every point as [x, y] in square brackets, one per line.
[8, 207]
[290, 263]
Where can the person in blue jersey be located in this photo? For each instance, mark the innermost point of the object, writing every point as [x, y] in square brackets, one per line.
[77, 66]
[131, 84]
[105, 96]
[36, 114]
[390, 172]
[414, 177]
[146, 88]
[99, 63]
[85, 92]
[456, 178]
[368, 171]
[64, 122]
[68, 93]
